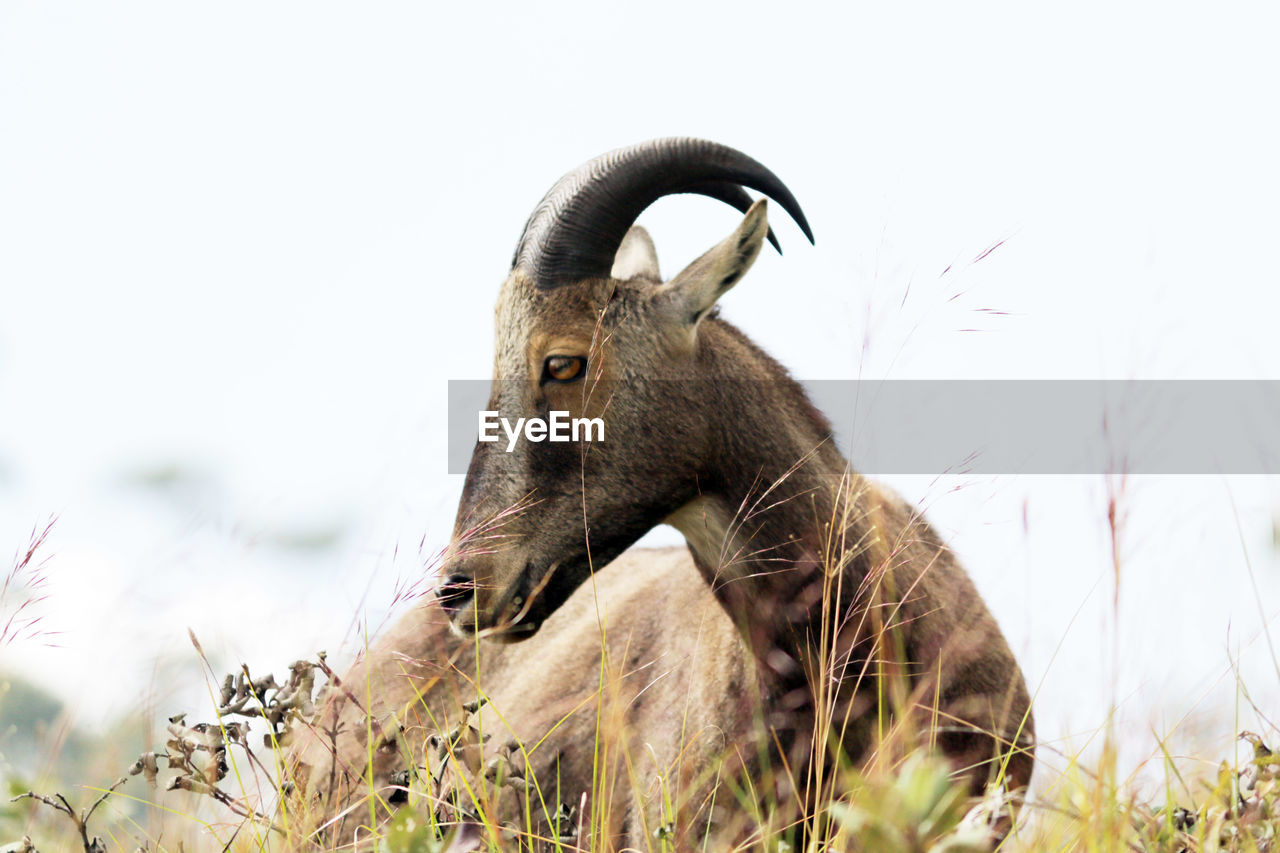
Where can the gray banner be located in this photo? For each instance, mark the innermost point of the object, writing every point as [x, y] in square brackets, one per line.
[1057, 427]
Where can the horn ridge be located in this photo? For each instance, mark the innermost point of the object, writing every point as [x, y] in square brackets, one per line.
[575, 230]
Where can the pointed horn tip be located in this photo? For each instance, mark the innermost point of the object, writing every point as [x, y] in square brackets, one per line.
[792, 207]
[803, 222]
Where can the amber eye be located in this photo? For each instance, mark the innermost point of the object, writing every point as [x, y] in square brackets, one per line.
[563, 368]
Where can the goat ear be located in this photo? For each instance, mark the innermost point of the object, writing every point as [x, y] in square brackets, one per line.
[695, 290]
[636, 257]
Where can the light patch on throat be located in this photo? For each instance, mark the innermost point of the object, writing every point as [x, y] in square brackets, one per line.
[711, 533]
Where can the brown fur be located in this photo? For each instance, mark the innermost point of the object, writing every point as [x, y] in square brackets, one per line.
[813, 602]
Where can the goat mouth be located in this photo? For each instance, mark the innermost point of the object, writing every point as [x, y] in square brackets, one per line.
[508, 619]
[534, 596]
[465, 626]
[521, 610]
[512, 633]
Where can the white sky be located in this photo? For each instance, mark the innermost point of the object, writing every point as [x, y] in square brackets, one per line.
[252, 242]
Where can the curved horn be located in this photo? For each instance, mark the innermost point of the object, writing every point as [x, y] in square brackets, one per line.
[576, 229]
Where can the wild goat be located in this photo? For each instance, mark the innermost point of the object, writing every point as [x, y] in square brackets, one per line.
[814, 619]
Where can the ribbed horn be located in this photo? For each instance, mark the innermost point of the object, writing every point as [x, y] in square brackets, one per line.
[576, 229]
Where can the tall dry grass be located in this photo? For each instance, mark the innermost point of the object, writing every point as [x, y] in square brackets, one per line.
[225, 784]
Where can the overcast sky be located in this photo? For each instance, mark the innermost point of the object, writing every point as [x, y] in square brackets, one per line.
[243, 247]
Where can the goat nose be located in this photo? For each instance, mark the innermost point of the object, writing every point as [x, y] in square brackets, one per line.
[455, 592]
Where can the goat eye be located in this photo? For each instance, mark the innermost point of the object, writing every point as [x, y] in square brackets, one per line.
[563, 368]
